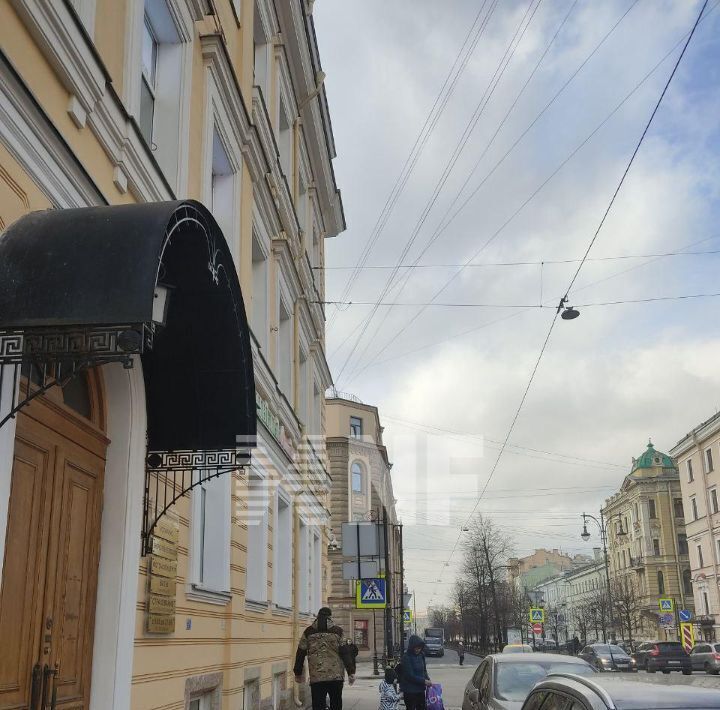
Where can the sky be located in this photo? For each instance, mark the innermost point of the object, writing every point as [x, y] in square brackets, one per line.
[515, 158]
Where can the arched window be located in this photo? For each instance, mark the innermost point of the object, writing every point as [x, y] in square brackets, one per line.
[357, 477]
[687, 582]
[661, 583]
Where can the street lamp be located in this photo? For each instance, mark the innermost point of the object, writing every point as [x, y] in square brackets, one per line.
[602, 524]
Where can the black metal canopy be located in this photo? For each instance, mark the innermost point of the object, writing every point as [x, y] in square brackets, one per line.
[69, 275]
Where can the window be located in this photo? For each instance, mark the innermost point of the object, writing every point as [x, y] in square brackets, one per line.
[706, 603]
[257, 542]
[278, 684]
[661, 583]
[691, 478]
[701, 562]
[693, 505]
[162, 111]
[708, 461]
[651, 509]
[714, 500]
[357, 477]
[149, 75]
[282, 544]
[302, 404]
[211, 535]
[262, 47]
[717, 543]
[687, 582]
[285, 349]
[682, 544]
[356, 428]
[637, 513]
[360, 633]
[317, 410]
[316, 571]
[656, 547]
[259, 291]
[202, 703]
[678, 508]
[304, 571]
[222, 196]
[285, 142]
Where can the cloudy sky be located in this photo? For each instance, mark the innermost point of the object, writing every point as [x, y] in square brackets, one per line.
[519, 154]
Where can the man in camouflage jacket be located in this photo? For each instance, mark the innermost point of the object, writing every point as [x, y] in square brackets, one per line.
[329, 656]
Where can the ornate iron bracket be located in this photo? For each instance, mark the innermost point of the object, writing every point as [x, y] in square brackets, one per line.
[51, 357]
[169, 475]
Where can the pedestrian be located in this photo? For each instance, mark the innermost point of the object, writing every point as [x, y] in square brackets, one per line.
[461, 652]
[414, 678]
[329, 656]
[389, 693]
[575, 645]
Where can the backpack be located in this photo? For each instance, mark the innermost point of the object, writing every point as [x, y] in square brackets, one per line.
[399, 671]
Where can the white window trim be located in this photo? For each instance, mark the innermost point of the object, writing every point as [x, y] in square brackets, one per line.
[262, 599]
[194, 588]
[260, 235]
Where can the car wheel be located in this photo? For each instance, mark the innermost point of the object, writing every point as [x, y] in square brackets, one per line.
[648, 669]
[687, 671]
[666, 672]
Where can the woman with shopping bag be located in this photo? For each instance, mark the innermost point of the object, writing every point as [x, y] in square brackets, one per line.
[414, 678]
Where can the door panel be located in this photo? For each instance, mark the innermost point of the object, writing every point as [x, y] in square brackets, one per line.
[47, 603]
[23, 573]
[76, 551]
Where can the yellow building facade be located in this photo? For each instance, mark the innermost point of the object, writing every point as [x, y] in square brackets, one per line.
[127, 102]
[647, 544]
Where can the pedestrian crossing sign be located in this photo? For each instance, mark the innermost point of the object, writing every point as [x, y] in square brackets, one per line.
[407, 616]
[537, 615]
[667, 605]
[370, 594]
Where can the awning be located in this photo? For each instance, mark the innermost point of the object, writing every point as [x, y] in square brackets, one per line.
[81, 283]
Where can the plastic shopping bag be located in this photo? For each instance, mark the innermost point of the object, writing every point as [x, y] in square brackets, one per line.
[433, 697]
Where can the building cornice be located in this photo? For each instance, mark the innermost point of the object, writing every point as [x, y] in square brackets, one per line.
[697, 436]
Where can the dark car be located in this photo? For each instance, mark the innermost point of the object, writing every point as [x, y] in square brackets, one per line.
[663, 656]
[607, 657]
[502, 681]
[434, 646]
[604, 692]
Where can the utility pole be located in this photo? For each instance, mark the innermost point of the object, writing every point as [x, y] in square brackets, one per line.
[414, 613]
[402, 592]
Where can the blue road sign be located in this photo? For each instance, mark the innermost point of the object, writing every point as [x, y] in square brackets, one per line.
[667, 619]
[666, 605]
[371, 594]
[685, 615]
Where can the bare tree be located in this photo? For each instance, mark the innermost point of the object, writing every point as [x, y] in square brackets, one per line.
[627, 603]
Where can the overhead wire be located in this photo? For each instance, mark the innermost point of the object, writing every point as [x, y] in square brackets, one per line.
[447, 171]
[520, 208]
[441, 100]
[443, 225]
[591, 244]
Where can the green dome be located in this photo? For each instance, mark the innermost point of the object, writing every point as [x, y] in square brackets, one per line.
[652, 459]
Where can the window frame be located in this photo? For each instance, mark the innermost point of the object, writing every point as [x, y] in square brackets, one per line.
[282, 576]
[361, 474]
[714, 503]
[694, 508]
[356, 423]
[652, 509]
[691, 475]
[257, 480]
[700, 556]
[709, 464]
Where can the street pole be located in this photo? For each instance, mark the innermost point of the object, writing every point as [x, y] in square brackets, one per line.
[414, 612]
[388, 589]
[402, 593]
[603, 537]
[376, 670]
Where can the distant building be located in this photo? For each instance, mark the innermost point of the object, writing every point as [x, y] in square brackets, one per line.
[527, 572]
[648, 547]
[698, 459]
[362, 491]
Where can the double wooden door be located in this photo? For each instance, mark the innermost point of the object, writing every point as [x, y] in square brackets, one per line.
[52, 547]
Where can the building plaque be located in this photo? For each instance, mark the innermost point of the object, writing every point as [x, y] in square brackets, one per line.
[163, 548]
[162, 585]
[161, 605]
[162, 567]
[167, 529]
[160, 624]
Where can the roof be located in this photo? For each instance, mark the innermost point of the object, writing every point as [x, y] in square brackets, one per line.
[651, 458]
[537, 658]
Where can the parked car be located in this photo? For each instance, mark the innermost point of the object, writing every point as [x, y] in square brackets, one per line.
[607, 657]
[502, 681]
[603, 692]
[517, 648]
[663, 656]
[706, 657]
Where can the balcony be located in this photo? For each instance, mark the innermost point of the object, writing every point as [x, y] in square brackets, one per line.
[637, 562]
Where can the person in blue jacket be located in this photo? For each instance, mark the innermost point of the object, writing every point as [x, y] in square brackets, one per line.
[414, 677]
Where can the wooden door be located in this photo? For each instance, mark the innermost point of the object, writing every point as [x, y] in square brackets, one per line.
[47, 601]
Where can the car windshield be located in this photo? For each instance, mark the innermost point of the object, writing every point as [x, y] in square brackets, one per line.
[670, 646]
[514, 681]
[607, 650]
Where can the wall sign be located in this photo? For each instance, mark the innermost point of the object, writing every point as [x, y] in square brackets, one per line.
[162, 570]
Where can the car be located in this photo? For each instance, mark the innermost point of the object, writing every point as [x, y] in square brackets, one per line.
[434, 646]
[502, 681]
[607, 657]
[606, 692]
[706, 657]
[517, 648]
[663, 656]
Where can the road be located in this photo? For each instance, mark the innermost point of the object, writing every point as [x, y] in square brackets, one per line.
[453, 678]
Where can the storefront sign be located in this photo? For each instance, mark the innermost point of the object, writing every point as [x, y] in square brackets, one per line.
[268, 417]
[161, 605]
[163, 568]
[163, 548]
